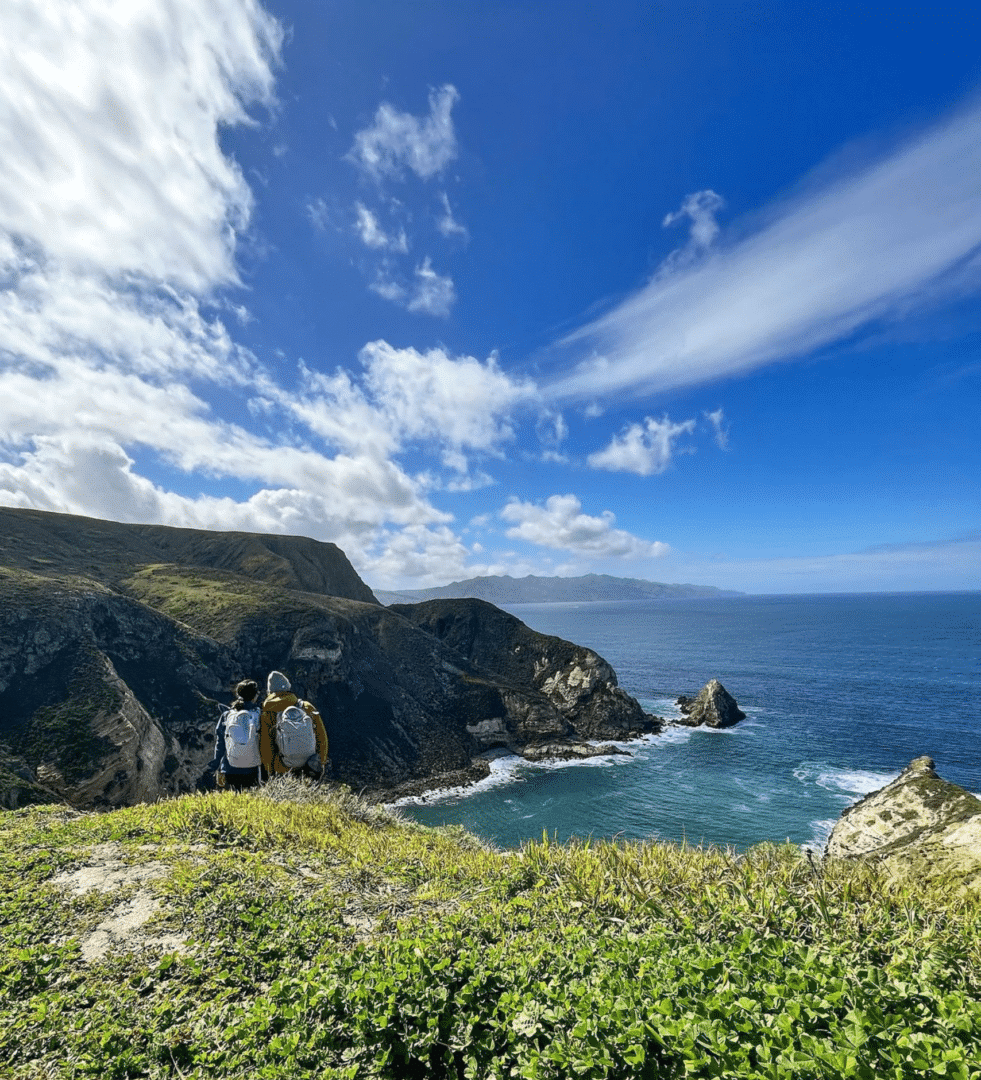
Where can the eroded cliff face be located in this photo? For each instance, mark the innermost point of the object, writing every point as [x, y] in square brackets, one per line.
[920, 825]
[578, 684]
[103, 701]
[110, 695]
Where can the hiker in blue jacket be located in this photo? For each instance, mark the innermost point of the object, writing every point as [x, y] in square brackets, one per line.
[228, 775]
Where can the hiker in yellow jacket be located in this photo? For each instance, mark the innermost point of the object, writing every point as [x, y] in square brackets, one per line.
[283, 732]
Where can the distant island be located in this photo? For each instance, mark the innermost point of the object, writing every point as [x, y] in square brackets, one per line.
[551, 590]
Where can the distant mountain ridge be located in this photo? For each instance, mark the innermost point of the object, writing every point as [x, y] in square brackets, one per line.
[551, 590]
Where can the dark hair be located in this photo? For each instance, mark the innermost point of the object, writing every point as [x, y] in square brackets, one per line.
[247, 690]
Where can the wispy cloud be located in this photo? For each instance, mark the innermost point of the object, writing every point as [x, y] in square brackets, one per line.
[643, 449]
[720, 427]
[447, 223]
[560, 524]
[428, 293]
[396, 141]
[432, 293]
[864, 246]
[374, 236]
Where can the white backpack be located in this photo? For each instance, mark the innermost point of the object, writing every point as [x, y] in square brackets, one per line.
[242, 738]
[295, 736]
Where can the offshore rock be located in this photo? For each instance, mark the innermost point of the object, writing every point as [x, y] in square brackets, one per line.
[919, 825]
[714, 707]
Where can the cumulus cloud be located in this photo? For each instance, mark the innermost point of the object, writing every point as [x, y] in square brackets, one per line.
[562, 525]
[642, 448]
[396, 141]
[903, 230]
[119, 217]
[463, 401]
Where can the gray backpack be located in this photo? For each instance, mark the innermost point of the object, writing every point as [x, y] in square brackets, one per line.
[295, 738]
[242, 738]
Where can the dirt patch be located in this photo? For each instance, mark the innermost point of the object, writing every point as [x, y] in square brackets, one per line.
[122, 928]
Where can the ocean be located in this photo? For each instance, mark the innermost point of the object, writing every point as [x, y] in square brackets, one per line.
[841, 692]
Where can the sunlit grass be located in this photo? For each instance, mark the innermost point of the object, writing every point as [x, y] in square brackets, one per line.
[322, 935]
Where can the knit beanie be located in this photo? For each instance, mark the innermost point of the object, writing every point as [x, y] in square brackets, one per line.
[277, 682]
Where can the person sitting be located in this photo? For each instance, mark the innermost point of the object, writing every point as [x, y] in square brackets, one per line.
[292, 736]
[242, 740]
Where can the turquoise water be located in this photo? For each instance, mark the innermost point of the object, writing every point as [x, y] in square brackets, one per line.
[841, 692]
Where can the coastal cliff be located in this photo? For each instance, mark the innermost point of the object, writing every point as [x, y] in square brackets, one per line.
[117, 648]
[919, 826]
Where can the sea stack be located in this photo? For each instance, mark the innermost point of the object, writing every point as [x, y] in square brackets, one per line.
[714, 707]
[919, 825]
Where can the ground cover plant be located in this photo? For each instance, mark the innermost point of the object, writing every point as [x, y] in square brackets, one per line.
[298, 932]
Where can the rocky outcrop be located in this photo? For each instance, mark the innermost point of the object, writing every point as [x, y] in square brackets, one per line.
[919, 825]
[579, 685]
[714, 707]
[111, 680]
[571, 751]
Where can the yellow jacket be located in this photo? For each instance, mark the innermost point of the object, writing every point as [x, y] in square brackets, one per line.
[271, 708]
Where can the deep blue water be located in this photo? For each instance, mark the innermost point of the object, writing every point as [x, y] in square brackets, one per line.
[841, 692]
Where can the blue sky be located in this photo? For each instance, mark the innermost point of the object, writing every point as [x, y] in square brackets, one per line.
[689, 292]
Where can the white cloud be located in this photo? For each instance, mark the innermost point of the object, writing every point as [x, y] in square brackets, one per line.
[447, 223]
[642, 448]
[428, 293]
[700, 209]
[119, 216]
[719, 426]
[461, 401]
[397, 141]
[319, 214]
[868, 245]
[562, 525]
[374, 236]
[552, 431]
[95, 174]
[431, 293]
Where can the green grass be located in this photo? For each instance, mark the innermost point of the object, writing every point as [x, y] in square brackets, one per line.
[324, 937]
[209, 601]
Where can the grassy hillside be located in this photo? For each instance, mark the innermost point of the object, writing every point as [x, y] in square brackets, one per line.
[292, 933]
[108, 552]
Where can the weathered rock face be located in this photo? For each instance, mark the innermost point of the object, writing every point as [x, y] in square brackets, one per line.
[578, 684]
[109, 693]
[714, 707]
[919, 825]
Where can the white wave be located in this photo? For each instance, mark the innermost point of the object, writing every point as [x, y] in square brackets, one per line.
[846, 783]
[821, 833]
[507, 768]
[503, 770]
